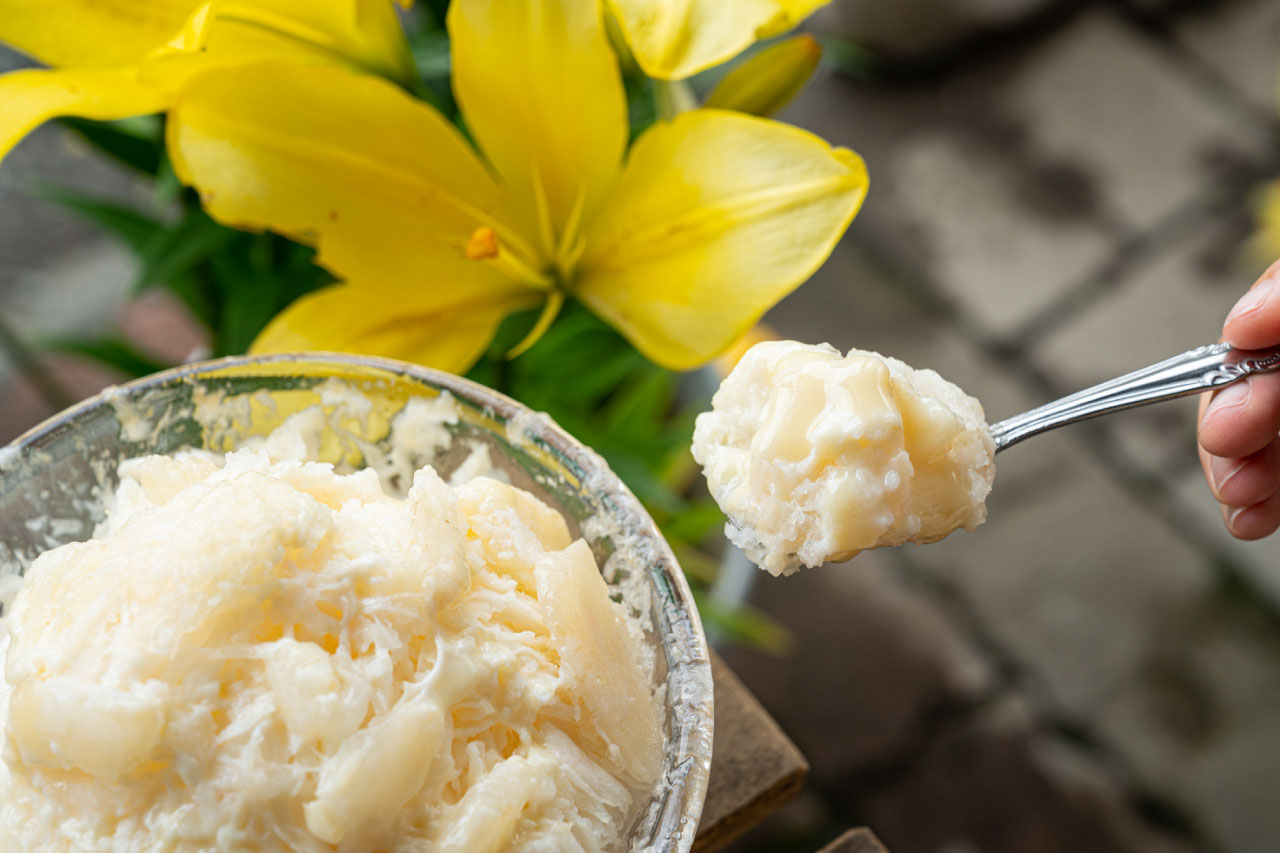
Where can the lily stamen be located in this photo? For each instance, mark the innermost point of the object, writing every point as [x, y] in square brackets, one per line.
[550, 310]
[484, 245]
[571, 245]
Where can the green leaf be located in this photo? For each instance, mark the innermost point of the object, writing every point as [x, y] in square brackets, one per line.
[848, 58]
[694, 522]
[642, 103]
[574, 366]
[580, 377]
[743, 624]
[175, 251]
[698, 566]
[640, 404]
[435, 10]
[429, 46]
[135, 142]
[194, 291]
[114, 352]
[634, 471]
[254, 278]
[431, 54]
[168, 186]
[239, 287]
[131, 226]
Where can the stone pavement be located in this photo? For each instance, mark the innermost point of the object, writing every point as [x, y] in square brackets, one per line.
[1061, 191]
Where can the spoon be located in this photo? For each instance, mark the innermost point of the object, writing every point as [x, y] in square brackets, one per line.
[1201, 369]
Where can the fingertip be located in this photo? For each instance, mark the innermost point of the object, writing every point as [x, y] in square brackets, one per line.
[1243, 417]
[1254, 321]
[1254, 522]
[1224, 420]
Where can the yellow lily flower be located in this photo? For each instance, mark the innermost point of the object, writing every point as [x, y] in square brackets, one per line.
[131, 57]
[713, 217]
[674, 39]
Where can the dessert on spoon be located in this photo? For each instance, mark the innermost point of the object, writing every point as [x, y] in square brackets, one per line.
[815, 456]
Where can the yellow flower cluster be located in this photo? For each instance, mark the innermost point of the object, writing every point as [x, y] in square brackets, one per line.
[287, 115]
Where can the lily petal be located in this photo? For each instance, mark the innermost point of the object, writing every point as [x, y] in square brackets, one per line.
[91, 33]
[422, 325]
[790, 13]
[363, 33]
[380, 183]
[383, 45]
[717, 216]
[32, 97]
[674, 39]
[541, 91]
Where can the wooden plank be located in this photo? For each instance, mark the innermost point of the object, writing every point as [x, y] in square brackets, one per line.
[755, 767]
[855, 841]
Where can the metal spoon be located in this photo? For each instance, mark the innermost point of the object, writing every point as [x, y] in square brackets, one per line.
[1201, 369]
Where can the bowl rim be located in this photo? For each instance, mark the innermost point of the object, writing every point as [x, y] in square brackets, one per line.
[678, 813]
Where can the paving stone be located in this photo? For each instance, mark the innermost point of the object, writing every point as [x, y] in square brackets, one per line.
[1102, 96]
[1240, 40]
[1128, 628]
[994, 783]
[872, 660]
[77, 293]
[855, 302]
[958, 202]
[915, 30]
[1159, 439]
[1199, 721]
[77, 288]
[162, 326]
[1175, 300]
[1070, 573]
[855, 841]
[1258, 561]
[1000, 267]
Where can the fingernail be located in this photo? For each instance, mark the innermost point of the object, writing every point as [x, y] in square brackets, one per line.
[1222, 470]
[1253, 300]
[1233, 395]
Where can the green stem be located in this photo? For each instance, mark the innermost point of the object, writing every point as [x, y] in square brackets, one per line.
[28, 364]
[673, 97]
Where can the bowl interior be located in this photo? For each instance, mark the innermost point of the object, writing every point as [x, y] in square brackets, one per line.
[53, 479]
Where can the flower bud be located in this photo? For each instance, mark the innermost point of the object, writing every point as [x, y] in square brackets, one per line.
[767, 81]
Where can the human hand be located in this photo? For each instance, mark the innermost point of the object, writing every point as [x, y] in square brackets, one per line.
[1239, 425]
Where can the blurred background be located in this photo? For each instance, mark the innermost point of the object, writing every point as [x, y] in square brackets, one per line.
[1060, 192]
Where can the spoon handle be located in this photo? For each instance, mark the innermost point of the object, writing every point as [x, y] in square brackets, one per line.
[1201, 369]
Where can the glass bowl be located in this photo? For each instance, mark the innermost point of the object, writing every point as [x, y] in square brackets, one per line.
[52, 480]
